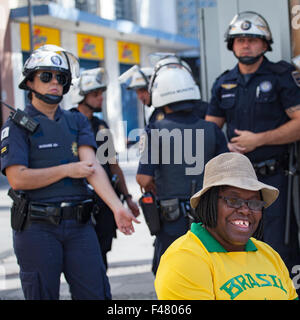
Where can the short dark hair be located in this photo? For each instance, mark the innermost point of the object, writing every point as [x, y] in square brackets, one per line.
[207, 211]
[30, 78]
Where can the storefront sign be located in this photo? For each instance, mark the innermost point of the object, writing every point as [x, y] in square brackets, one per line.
[41, 36]
[129, 52]
[90, 47]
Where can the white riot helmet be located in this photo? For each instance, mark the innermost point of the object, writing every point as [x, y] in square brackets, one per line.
[48, 58]
[172, 81]
[89, 80]
[248, 24]
[136, 77]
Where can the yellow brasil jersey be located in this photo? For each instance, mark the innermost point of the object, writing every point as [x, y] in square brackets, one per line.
[197, 267]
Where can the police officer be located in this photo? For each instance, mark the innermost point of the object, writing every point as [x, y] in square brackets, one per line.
[166, 168]
[137, 79]
[260, 102]
[88, 93]
[49, 168]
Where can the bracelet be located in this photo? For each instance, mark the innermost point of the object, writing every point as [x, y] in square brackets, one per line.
[128, 195]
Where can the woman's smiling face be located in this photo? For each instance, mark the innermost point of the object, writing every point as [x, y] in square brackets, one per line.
[235, 225]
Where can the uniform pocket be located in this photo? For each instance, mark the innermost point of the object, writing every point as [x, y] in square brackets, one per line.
[228, 98]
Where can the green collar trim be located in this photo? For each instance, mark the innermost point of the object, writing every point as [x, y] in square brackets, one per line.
[210, 243]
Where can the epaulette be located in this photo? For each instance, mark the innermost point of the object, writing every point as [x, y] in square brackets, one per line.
[222, 74]
[280, 67]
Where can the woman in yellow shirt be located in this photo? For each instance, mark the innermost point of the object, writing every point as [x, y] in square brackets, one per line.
[218, 259]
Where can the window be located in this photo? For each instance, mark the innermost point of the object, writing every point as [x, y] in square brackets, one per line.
[125, 9]
[87, 5]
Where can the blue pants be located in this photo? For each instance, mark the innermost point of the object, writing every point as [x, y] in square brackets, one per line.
[44, 251]
[274, 223]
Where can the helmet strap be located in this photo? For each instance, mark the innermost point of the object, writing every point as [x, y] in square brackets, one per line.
[247, 60]
[91, 107]
[48, 98]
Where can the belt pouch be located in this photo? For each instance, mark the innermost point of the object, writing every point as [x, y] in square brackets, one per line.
[170, 209]
[83, 211]
[40, 212]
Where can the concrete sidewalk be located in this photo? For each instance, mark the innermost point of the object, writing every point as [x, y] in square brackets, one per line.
[129, 262]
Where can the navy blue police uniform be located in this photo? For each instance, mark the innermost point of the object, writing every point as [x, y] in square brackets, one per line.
[69, 245]
[171, 179]
[105, 226]
[257, 102]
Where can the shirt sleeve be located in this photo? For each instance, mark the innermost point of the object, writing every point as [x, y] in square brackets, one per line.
[86, 135]
[289, 90]
[148, 151]
[184, 275]
[14, 146]
[213, 108]
[291, 291]
[221, 145]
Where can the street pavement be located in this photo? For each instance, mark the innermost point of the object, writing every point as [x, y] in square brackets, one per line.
[129, 261]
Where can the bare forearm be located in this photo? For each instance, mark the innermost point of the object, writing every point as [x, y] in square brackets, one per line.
[23, 178]
[287, 133]
[102, 186]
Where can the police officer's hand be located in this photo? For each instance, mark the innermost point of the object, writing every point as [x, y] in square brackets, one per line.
[133, 207]
[80, 169]
[233, 147]
[124, 218]
[246, 139]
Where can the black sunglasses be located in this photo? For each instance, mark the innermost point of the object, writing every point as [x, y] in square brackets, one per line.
[255, 205]
[46, 76]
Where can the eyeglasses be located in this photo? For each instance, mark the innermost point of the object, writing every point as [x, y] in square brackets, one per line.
[255, 205]
[46, 76]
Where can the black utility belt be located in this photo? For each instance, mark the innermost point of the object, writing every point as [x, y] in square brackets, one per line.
[269, 167]
[49, 213]
[172, 209]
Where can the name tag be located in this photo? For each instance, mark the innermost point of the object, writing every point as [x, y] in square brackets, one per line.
[48, 146]
[228, 95]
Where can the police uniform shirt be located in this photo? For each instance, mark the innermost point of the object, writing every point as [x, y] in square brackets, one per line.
[201, 108]
[98, 125]
[256, 103]
[180, 117]
[197, 267]
[15, 146]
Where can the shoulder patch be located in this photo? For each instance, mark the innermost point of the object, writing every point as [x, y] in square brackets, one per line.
[296, 76]
[142, 142]
[160, 116]
[4, 133]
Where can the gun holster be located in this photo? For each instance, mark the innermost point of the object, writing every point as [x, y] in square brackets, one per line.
[19, 209]
[150, 211]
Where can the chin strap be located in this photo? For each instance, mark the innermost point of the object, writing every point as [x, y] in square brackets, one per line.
[92, 108]
[247, 60]
[48, 98]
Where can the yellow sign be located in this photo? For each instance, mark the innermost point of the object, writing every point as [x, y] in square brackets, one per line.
[90, 47]
[129, 52]
[41, 36]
